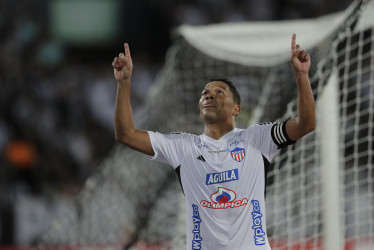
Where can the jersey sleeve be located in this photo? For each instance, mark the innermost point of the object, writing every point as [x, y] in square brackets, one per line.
[268, 138]
[167, 147]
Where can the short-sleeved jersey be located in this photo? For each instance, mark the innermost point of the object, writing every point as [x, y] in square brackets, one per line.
[224, 183]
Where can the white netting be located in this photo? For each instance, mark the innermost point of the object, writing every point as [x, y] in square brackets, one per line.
[139, 204]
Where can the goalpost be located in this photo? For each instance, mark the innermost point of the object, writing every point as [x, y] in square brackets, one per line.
[320, 191]
[330, 163]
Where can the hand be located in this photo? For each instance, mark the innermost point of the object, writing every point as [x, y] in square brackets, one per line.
[300, 60]
[122, 65]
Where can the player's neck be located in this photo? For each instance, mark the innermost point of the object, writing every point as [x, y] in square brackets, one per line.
[217, 130]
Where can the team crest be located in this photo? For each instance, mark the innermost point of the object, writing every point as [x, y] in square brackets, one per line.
[238, 154]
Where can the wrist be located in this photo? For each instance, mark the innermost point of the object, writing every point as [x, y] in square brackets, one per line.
[123, 82]
[302, 79]
[301, 74]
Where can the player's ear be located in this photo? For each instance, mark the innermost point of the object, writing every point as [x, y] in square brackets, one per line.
[237, 109]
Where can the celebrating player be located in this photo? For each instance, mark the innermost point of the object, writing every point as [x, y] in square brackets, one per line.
[222, 171]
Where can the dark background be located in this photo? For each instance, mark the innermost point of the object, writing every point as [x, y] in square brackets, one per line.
[57, 95]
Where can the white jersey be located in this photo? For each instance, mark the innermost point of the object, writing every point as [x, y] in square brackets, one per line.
[224, 183]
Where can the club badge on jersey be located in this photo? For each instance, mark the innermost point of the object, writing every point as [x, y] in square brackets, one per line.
[238, 154]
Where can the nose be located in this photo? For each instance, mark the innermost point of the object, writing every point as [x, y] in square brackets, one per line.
[209, 96]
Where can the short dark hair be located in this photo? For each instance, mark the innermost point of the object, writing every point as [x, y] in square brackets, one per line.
[233, 89]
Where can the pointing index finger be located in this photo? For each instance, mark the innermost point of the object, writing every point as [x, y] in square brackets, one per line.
[127, 50]
[293, 43]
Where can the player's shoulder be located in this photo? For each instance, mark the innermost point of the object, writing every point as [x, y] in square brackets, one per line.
[188, 139]
[262, 125]
[184, 136]
[261, 129]
[171, 135]
[266, 123]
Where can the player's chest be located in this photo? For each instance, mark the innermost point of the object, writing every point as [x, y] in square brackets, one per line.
[227, 163]
[222, 153]
[223, 177]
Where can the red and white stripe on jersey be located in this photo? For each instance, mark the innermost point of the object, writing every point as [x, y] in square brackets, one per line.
[238, 155]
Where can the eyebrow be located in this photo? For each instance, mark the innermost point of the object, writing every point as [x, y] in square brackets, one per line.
[218, 87]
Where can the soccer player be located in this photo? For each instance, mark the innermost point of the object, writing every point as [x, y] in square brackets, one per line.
[222, 171]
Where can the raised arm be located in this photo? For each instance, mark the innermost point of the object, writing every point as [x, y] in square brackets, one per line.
[305, 121]
[125, 130]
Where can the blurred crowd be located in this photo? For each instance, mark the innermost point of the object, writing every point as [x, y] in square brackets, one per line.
[57, 100]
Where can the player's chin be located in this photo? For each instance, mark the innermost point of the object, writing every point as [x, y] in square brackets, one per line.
[208, 116]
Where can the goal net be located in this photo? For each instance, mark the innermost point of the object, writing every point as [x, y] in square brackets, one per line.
[319, 191]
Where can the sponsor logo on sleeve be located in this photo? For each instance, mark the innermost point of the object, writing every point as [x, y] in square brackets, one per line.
[259, 234]
[196, 220]
[220, 177]
[222, 199]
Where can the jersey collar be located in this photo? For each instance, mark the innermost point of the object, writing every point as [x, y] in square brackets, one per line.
[224, 137]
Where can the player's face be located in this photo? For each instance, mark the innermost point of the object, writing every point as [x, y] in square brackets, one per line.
[217, 103]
